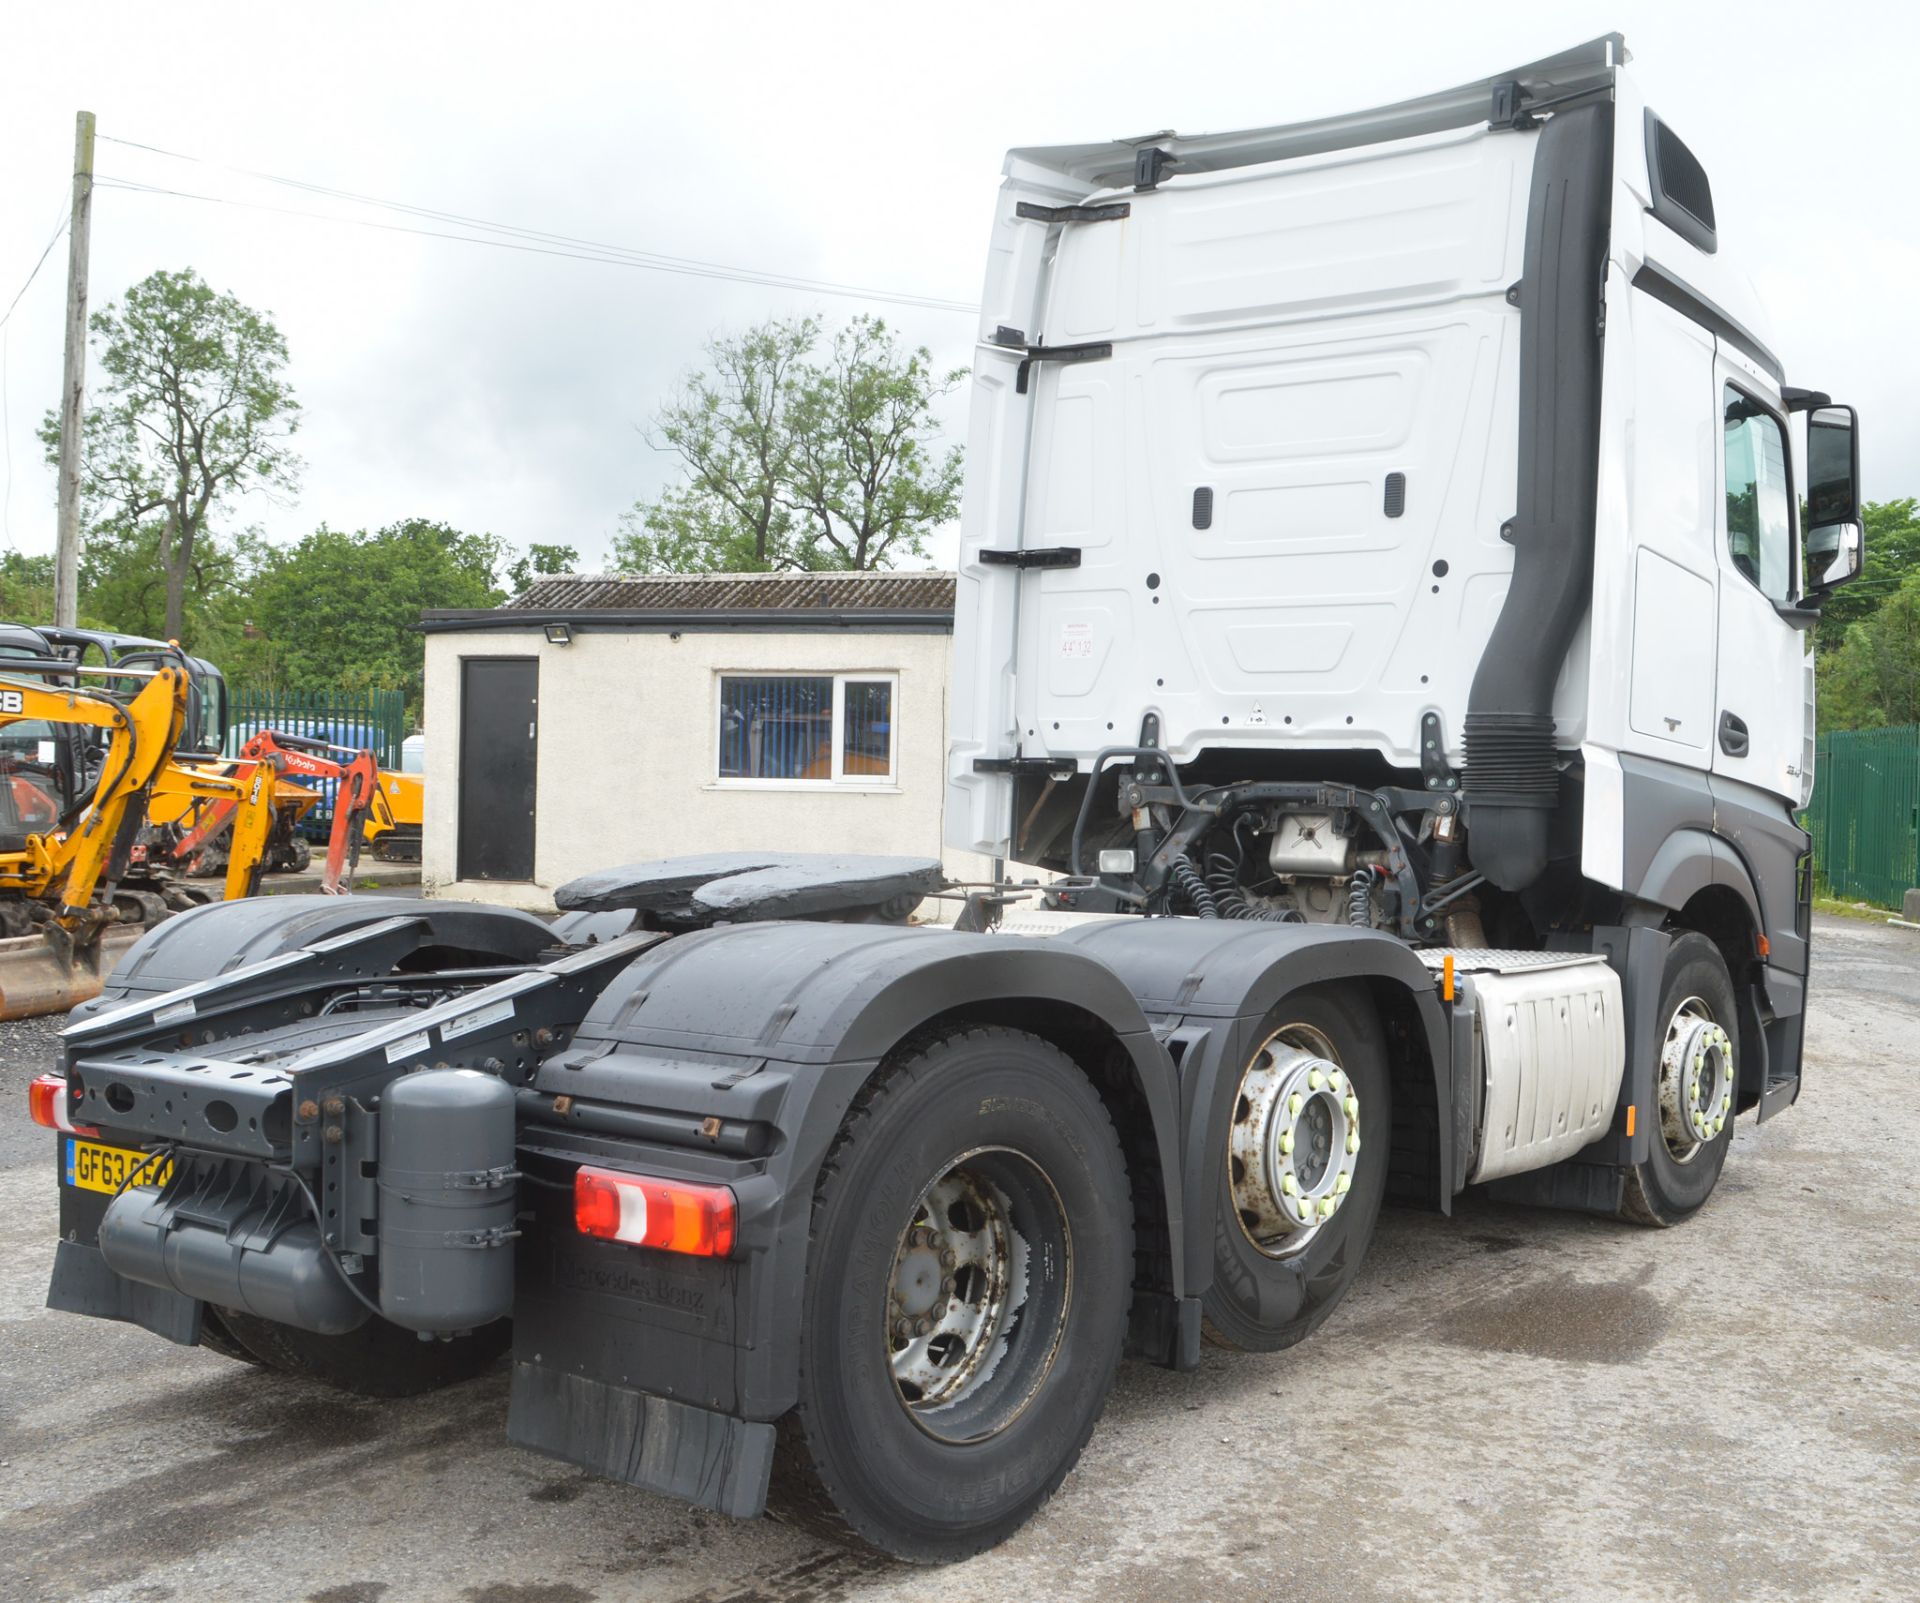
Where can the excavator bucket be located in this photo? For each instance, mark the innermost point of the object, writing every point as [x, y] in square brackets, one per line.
[36, 980]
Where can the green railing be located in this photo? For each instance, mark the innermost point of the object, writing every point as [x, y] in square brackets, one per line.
[1865, 814]
[357, 718]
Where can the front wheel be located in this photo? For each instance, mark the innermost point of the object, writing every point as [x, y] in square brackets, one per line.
[968, 1280]
[1696, 1091]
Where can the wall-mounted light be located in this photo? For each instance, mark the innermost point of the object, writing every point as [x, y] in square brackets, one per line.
[559, 634]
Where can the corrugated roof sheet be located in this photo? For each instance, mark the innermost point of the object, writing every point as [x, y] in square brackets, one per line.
[738, 592]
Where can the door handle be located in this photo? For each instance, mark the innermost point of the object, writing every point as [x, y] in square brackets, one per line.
[1733, 735]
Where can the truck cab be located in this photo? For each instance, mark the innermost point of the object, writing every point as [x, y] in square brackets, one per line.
[1440, 447]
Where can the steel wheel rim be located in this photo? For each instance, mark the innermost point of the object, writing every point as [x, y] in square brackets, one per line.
[1293, 1140]
[977, 1300]
[1697, 1080]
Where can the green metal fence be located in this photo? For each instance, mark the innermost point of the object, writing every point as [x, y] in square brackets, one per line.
[1865, 813]
[358, 718]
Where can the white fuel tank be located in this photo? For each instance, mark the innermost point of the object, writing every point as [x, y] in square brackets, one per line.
[1552, 1049]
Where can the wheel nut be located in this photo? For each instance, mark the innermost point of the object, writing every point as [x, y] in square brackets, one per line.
[1293, 1103]
[1326, 1207]
[1333, 1080]
[1286, 1141]
[947, 1259]
[1287, 1184]
[1340, 1185]
[904, 1329]
[922, 1327]
[1353, 1141]
[1352, 1105]
[1313, 1079]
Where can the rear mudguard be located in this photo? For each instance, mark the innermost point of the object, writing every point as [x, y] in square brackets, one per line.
[764, 1034]
[1209, 985]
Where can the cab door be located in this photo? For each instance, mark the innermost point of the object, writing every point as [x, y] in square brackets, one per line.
[1759, 718]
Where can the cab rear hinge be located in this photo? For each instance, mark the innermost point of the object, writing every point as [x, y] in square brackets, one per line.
[1109, 212]
[1094, 351]
[1045, 556]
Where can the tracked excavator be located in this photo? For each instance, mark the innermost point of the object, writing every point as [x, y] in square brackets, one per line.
[78, 768]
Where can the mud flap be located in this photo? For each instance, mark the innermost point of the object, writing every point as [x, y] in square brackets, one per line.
[711, 1460]
[83, 1284]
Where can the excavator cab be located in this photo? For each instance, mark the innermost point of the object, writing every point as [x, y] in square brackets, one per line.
[45, 770]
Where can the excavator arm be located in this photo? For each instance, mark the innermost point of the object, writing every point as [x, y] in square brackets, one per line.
[141, 733]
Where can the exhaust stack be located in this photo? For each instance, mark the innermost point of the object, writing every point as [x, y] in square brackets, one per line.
[1512, 781]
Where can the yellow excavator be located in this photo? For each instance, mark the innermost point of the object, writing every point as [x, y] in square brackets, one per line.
[67, 831]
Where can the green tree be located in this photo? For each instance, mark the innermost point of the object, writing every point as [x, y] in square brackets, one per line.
[731, 428]
[796, 463]
[123, 580]
[1892, 530]
[195, 410]
[537, 560]
[1873, 678]
[869, 482]
[26, 587]
[337, 609]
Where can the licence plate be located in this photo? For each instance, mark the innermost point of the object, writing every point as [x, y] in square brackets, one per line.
[93, 1166]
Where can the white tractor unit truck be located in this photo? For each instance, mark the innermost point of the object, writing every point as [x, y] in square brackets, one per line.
[1389, 553]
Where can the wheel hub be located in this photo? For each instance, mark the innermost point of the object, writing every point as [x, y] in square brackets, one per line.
[1697, 1079]
[1294, 1141]
[976, 1305]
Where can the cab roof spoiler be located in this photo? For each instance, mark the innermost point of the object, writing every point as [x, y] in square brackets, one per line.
[1141, 162]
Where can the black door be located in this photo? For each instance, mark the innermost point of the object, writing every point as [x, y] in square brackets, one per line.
[499, 731]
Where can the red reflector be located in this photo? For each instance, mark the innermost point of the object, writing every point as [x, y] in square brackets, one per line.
[47, 1103]
[673, 1215]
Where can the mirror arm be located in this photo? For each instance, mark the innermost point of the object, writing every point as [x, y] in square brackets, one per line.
[1804, 614]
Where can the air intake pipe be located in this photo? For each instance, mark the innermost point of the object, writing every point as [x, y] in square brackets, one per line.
[1512, 777]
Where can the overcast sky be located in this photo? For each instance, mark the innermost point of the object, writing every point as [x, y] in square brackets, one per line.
[505, 391]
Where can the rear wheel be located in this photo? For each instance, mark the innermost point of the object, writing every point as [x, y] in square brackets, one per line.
[1696, 1090]
[377, 1360]
[968, 1280]
[1304, 1171]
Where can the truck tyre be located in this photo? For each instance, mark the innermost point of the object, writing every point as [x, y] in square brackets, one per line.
[1696, 1084]
[1304, 1171]
[215, 1338]
[378, 1360]
[969, 1274]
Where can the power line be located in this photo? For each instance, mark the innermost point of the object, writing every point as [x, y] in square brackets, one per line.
[514, 236]
[6, 391]
[58, 231]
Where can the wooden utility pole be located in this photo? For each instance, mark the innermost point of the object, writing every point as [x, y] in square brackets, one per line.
[73, 385]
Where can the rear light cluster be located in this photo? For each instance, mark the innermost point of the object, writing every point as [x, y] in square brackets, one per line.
[673, 1215]
[47, 1103]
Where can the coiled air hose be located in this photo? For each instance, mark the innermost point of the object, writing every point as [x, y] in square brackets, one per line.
[1194, 888]
[1360, 898]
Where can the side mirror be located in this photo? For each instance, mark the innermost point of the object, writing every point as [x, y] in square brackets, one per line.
[1833, 467]
[1835, 554]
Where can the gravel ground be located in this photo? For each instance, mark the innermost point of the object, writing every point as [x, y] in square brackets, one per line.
[1510, 1405]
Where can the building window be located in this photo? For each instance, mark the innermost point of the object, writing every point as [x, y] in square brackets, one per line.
[1759, 502]
[821, 729]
